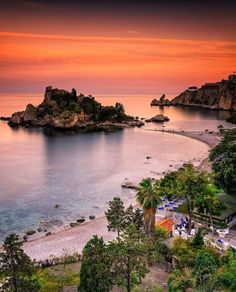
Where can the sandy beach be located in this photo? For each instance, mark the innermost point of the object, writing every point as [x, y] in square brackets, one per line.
[74, 239]
[209, 138]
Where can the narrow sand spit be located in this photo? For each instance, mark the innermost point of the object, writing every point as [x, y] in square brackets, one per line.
[74, 239]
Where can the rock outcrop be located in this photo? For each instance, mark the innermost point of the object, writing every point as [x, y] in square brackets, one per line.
[63, 110]
[163, 101]
[217, 96]
[158, 119]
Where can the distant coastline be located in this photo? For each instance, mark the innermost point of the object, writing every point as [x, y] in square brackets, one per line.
[214, 95]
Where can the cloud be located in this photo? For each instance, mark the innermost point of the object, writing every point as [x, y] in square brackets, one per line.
[136, 63]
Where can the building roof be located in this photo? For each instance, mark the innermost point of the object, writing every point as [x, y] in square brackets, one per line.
[230, 204]
[167, 224]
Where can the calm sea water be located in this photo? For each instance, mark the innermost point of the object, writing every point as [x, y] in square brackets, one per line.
[82, 172]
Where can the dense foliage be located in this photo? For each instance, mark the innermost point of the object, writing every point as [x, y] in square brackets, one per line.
[119, 218]
[130, 257]
[95, 272]
[232, 119]
[223, 158]
[16, 267]
[85, 105]
[201, 268]
[127, 257]
[195, 188]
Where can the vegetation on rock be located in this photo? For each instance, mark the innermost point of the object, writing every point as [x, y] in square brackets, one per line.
[65, 110]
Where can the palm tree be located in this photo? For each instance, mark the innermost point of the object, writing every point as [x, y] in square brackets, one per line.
[149, 197]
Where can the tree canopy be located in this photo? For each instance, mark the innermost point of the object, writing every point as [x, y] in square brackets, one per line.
[16, 267]
[95, 272]
[223, 158]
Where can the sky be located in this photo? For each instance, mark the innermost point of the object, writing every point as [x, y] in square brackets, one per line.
[115, 47]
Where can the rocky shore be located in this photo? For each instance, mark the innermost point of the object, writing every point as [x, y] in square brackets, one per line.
[215, 96]
[66, 111]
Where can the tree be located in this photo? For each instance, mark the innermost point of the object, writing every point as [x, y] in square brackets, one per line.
[95, 272]
[119, 108]
[223, 158]
[116, 215]
[204, 268]
[149, 196]
[130, 257]
[120, 111]
[198, 241]
[188, 184]
[133, 217]
[232, 119]
[16, 267]
[106, 113]
[226, 278]
[169, 184]
[209, 203]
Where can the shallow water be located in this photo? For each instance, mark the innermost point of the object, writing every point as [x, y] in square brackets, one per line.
[83, 172]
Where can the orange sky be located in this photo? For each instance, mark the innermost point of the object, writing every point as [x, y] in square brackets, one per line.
[148, 59]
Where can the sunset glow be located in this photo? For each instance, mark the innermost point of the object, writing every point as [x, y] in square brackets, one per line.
[146, 56]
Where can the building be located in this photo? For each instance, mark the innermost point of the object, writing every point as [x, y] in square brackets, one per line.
[192, 88]
[167, 224]
[228, 216]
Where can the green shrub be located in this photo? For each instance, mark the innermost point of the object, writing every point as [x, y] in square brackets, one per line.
[161, 232]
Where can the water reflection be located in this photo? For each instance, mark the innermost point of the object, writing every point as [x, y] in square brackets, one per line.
[83, 172]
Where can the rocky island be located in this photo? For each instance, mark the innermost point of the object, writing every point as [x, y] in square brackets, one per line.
[63, 110]
[216, 96]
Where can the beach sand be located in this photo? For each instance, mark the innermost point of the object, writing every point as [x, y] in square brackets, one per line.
[74, 239]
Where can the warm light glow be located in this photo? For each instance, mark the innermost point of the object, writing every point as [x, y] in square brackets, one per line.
[111, 64]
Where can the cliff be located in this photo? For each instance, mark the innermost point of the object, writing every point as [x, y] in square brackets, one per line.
[218, 96]
[65, 110]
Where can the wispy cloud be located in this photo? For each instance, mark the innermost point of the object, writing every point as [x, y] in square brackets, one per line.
[112, 62]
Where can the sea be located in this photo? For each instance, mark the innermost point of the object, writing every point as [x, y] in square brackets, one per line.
[49, 181]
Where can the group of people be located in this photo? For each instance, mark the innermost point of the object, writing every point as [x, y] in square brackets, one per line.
[182, 227]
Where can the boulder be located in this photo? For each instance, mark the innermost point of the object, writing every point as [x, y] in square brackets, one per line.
[159, 118]
[25, 237]
[80, 220]
[73, 224]
[134, 123]
[30, 232]
[129, 185]
[91, 217]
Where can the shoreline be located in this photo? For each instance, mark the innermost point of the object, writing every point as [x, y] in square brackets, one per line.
[73, 239]
[209, 138]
